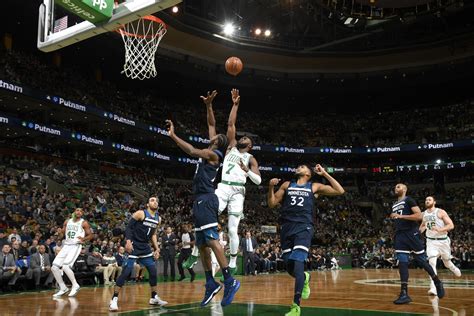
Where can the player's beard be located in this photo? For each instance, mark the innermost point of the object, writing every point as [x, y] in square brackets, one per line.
[242, 145]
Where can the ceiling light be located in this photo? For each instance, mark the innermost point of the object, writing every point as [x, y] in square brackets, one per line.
[229, 29]
[175, 9]
[268, 33]
[258, 31]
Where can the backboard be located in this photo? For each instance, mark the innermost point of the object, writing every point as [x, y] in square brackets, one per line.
[54, 31]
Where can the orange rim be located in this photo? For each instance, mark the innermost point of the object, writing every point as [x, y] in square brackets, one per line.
[152, 18]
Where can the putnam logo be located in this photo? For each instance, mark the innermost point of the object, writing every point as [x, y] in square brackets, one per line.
[188, 160]
[256, 147]
[3, 120]
[290, 150]
[157, 155]
[126, 148]
[340, 150]
[42, 128]
[265, 168]
[70, 104]
[87, 139]
[198, 139]
[440, 146]
[11, 87]
[119, 119]
[387, 149]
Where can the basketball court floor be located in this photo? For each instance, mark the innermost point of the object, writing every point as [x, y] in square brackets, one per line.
[343, 292]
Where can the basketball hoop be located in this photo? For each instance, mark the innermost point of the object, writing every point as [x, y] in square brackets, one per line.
[141, 38]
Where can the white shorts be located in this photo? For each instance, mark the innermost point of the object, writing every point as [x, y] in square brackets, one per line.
[67, 255]
[438, 248]
[232, 197]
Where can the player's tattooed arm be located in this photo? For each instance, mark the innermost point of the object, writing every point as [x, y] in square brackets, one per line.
[207, 154]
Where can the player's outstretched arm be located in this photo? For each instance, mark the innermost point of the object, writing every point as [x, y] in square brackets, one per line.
[273, 199]
[231, 129]
[211, 120]
[253, 173]
[333, 189]
[207, 154]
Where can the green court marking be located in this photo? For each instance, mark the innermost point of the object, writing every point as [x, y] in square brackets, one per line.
[240, 309]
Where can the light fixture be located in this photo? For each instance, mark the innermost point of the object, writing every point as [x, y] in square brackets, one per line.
[268, 33]
[229, 29]
[258, 31]
[438, 161]
[175, 9]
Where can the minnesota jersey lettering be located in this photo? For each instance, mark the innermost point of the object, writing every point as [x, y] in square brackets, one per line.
[298, 204]
[403, 207]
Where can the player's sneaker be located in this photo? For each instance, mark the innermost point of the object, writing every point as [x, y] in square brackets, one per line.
[74, 291]
[61, 292]
[306, 290]
[457, 272]
[402, 299]
[113, 306]
[295, 310]
[157, 301]
[190, 262]
[231, 287]
[211, 290]
[439, 289]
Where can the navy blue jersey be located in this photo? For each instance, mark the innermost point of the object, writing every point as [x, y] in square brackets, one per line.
[403, 207]
[143, 230]
[205, 175]
[298, 204]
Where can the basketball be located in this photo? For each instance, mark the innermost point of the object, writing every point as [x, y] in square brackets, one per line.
[233, 66]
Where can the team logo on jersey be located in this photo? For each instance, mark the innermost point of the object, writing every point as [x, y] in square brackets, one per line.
[425, 283]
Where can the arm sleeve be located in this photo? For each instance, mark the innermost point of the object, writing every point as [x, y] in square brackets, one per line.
[130, 228]
[254, 177]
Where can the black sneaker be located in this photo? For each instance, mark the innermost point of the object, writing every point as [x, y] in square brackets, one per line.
[439, 289]
[402, 299]
[181, 278]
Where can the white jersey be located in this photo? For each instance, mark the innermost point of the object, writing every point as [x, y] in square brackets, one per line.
[74, 230]
[431, 220]
[231, 172]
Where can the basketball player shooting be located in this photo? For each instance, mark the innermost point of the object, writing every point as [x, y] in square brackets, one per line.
[238, 165]
[77, 231]
[437, 223]
[205, 211]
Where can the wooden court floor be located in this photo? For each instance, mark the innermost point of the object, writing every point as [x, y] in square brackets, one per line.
[343, 292]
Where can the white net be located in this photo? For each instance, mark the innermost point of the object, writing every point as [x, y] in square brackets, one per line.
[142, 38]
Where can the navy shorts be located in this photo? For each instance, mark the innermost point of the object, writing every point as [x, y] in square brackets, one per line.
[205, 210]
[141, 250]
[296, 236]
[407, 241]
[205, 235]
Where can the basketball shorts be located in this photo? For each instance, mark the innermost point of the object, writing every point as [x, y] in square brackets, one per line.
[408, 241]
[141, 250]
[206, 235]
[205, 208]
[296, 236]
[231, 197]
[67, 255]
[438, 248]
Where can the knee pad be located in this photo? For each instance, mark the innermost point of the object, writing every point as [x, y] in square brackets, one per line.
[403, 257]
[152, 274]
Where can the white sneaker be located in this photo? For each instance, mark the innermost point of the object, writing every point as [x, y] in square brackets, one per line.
[457, 272]
[61, 292]
[157, 301]
[432, 291]
[74, 291]
[113, 306]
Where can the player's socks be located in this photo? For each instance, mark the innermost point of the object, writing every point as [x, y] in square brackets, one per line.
[226, 273]
[299, 281]
[209, 277]
[233, 261]
[116, 294]
[153, 293]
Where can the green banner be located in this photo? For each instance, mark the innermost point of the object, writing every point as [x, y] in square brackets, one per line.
[94, 11]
